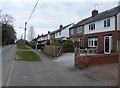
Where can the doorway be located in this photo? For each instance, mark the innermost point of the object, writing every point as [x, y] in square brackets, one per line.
[107, 44]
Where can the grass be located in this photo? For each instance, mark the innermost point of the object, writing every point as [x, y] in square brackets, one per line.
[28, 56]
[20, 46]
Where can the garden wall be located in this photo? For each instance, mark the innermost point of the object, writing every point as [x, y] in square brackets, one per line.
[95, 60]
[52, 50]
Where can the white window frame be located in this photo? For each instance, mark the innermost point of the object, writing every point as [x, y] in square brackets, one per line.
[92, 26]
[91, 42]
[107, 20]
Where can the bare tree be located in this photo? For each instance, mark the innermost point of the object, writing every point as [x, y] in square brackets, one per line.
[31, 33]
[6, 19]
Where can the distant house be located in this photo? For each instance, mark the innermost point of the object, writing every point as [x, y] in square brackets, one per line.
[61, 34]
[100, 31]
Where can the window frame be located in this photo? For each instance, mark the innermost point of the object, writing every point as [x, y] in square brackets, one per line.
[92, 26]
[91, 42]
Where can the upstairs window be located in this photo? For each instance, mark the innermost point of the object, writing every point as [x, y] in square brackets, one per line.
[60, 33]
[72, 31]
[79, 29]
[56, 34]
[92, 26]
[107, 23]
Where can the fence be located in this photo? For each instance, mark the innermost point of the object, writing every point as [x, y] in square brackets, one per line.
[86, 52]
[89, 57]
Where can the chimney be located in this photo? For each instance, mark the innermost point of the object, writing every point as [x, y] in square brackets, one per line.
[94, 13]
[48, 32]
[38, 36]
[61, 26]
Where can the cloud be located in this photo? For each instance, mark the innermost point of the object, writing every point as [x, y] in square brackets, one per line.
[50, 14]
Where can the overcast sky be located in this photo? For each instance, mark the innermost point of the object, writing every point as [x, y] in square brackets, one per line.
[49, 14]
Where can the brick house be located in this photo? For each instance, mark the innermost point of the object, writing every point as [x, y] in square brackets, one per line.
[101, 31]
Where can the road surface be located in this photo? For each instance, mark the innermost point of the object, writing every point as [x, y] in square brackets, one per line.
[8, 54]
[49, 73]
[45, 73]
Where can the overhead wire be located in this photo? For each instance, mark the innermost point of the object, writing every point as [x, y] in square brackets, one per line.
[32, 11]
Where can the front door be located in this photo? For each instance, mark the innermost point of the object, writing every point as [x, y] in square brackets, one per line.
[107, 44]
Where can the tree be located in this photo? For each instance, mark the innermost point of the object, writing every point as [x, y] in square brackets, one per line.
[31, 33]
[6, 19]
[8, 32]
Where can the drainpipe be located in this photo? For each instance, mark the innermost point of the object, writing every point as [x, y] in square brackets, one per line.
[119, 57]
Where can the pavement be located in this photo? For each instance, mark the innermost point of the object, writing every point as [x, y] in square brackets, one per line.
[8, 55]
[51, 73]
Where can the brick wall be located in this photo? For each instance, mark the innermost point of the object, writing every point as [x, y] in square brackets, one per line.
[83, 61]
[50, 50]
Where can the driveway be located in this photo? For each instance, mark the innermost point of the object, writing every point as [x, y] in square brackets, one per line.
[66, 59]
[49, 73]
[105, 73]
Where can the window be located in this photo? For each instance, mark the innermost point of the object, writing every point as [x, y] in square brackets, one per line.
[92, 42]
[91, 26]
[56, 34]
[80, 41]
[72, 31]
[79, 29]
[107, 23]
[59, 33]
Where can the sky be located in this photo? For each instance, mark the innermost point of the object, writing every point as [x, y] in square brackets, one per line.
[49, 14]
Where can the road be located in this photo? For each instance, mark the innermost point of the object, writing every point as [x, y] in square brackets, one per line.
[45, 73]
[8, 54]
[49, 73]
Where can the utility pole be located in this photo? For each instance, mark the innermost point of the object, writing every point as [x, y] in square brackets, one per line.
[25, 32]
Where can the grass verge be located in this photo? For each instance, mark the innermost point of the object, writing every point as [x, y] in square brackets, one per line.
[27, 56]
[20, 46]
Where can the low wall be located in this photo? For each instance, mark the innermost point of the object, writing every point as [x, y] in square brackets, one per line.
[95, 60]
[51, 50]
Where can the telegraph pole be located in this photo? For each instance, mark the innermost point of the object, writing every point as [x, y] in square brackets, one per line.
[25, 32]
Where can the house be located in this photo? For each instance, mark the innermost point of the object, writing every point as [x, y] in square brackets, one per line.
[100, 31]
[61, 34]
[43, 39]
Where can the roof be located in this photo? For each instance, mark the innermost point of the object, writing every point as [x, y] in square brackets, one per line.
[108, 13]
[61, 29]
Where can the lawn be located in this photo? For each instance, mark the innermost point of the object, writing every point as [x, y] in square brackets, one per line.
[20, 46]
[28, 56]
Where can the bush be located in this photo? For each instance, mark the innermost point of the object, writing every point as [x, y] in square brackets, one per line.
[33, 46]
[68, 46]
[55, 42]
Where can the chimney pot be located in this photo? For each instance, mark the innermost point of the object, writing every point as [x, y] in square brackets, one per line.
[61, 26]
[94, 13]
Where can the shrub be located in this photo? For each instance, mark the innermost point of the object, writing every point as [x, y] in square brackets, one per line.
[55, 42]
[33, 46]
[67, 46]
